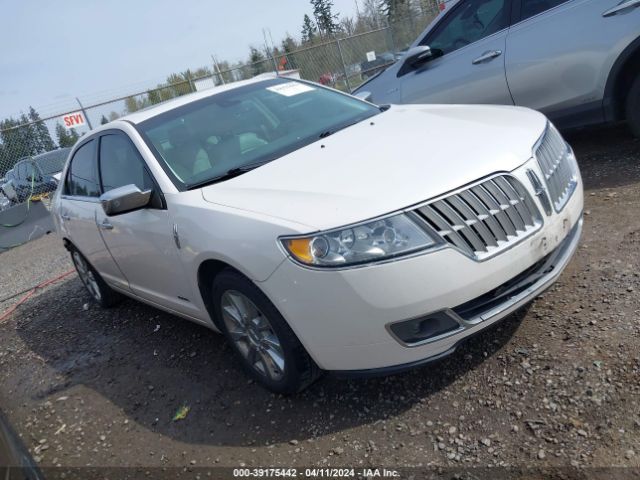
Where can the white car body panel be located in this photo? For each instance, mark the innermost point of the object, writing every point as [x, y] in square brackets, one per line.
[396, 160]
[78, 221]
[365, 300]
[410, 154]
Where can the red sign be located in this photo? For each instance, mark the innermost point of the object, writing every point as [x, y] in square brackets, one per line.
[73, 120]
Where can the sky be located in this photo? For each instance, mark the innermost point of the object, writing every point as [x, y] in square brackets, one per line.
[53, 51]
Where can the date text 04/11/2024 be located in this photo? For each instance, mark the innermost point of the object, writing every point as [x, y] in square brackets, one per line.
[316, 472]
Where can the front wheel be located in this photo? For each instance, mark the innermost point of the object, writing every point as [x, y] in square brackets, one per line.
[100, 292]
[265, 344]
[633, 107]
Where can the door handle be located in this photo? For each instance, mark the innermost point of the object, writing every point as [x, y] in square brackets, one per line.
[105, 225]
[491, 54]
[64, 216]
[621, 6]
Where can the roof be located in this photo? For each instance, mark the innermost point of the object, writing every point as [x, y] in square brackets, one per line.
[149, 112]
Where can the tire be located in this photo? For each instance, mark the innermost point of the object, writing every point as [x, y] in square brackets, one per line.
[633, 107]
[100, 292]
[268, 349]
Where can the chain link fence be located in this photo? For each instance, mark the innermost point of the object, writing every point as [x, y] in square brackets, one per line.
[34, 146]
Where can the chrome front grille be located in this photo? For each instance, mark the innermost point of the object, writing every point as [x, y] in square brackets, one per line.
[486, 218]
[558, 166]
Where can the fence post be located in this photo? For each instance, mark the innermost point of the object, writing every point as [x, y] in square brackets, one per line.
[191, 85]
[344, 66]
[273, 59]
[217, 67]
[84, 112]
[269, 53]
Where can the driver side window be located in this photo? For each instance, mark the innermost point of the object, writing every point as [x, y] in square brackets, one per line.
[471, 21]
[121, 164]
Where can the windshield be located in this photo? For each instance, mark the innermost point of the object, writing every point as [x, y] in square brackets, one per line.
[247, 126]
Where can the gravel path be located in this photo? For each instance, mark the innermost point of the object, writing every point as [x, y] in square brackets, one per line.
[555, 385]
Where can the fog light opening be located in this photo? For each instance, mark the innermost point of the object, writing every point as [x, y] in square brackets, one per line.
[424, 328]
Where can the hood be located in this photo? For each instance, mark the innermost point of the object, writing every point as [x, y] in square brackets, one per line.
[402, 157]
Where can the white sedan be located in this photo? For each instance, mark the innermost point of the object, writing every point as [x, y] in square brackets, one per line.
[320, 232]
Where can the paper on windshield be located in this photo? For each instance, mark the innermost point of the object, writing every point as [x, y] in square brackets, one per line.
[290, 89]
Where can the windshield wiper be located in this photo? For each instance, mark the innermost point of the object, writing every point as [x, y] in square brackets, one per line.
[331, 132]
[232, 173]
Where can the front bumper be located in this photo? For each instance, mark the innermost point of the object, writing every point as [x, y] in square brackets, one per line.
[478, 314]
[343, 317]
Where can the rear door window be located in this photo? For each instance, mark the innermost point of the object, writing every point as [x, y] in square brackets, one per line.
[529, 8]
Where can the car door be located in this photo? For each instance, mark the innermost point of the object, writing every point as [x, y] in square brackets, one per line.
[559, 53]
[141, 241]
[468, 64]
[79, 202]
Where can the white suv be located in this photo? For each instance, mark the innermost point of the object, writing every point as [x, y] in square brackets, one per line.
[320, 232]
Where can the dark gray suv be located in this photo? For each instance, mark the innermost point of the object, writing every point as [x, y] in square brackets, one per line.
[577, 61]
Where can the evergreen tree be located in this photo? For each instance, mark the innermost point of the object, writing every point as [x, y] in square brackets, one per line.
[257, 61]
[104, 120]
[154, 97]
[29, 136]
[309, 30]
[66, 138]
[18, 141]
[42, 137]
[288, 47]
[131, 104]
[326, 19]
[395, 10]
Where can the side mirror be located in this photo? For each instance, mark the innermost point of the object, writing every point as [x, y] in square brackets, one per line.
[124, 199]
[416, 57]
[366, 96]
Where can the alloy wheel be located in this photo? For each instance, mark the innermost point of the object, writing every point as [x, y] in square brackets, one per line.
[86, 275]
[253, 335]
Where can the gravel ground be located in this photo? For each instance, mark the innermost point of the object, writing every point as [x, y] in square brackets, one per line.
[555, 385]
[29, 265]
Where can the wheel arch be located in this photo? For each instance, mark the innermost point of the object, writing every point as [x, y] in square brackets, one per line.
[207, 272]
[68, 244]
[622, 74]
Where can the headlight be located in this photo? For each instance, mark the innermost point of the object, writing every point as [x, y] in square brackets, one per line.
[362, 243]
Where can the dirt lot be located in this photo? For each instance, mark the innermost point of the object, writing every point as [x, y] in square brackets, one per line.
[555, 385]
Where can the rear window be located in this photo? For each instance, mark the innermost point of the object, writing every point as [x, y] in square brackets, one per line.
[52, 162]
